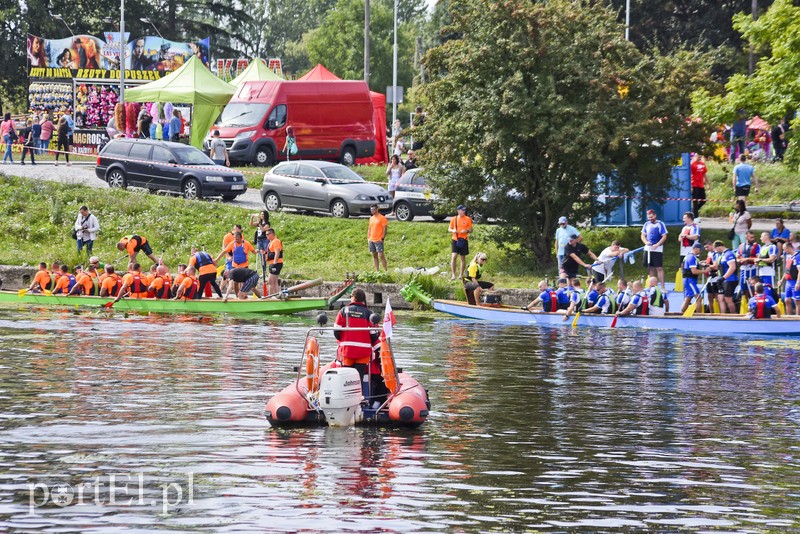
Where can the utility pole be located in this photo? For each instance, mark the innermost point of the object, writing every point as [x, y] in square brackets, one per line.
[366, 41]
[752, 65]
[123, 48]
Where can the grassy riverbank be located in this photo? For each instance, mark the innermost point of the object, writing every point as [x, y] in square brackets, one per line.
[777, 185]
[37, 219]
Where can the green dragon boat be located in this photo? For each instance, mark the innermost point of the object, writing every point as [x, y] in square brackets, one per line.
[280, 306]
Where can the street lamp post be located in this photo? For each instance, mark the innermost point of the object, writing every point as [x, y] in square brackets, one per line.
[627, 19]
[123, 48]
[366, 41]
[59, 17]
[394, 68]
[150, 22]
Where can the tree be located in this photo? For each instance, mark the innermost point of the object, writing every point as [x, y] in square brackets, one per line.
[533, 100]
[339, 44]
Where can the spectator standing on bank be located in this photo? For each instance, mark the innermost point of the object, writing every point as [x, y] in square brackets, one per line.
[36, 130]
[47, 133]
[563, 233]
[699, 173]
[175, 126]
[411, 162]
[743, 175]
[779, 140]
[460, 228]
[63, 140]
[28, 144]
[219, 152]
[738, 135]
[394, 171]
[742, 222]
[86, 228]
[9, 133]
[376, 235]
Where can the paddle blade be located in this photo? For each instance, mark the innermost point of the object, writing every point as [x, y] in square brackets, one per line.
[743, 305]
[614, 321]
[575, 320]
[781, 307]
[22, 292]
[108, 305]
[679, 281]
[715, 306]
[691, 309]
[47, 293]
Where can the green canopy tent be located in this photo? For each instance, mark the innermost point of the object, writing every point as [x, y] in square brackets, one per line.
[256, 71]
[192, 84]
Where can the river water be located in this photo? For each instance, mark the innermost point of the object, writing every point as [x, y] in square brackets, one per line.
[134, 423]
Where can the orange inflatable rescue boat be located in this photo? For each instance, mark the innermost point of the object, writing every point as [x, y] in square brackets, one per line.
[332, 395]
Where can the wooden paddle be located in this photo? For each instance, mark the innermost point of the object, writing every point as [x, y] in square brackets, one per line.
[298, 287]
[585, 296]
[614, 321]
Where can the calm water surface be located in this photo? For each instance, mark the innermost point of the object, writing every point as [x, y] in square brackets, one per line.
[531, 430]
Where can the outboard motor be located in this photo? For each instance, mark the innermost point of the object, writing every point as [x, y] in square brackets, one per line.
[340, 396]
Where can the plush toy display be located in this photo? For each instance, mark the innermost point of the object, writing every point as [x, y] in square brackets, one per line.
[96, 102]
[49, 96]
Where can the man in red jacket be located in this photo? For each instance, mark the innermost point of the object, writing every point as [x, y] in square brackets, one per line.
[357, 347]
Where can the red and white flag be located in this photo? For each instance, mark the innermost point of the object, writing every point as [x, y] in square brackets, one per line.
[388, 321]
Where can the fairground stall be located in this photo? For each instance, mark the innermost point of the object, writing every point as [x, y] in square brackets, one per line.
[79, 76]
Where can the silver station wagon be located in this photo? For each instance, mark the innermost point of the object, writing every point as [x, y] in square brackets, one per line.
[321, 186]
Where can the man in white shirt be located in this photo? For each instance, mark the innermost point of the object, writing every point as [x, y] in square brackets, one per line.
[563, 233]
[86, 228]
[605, 261]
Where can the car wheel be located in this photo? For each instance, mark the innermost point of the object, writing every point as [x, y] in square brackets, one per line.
[229, 197]
[339, 209]
[191, 189]
[116, 178]
[264, 157]
[402, 210]
[272, 201]
[439, 218]
[348, 156]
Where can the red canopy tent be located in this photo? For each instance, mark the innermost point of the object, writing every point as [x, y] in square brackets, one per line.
[320, 73]
[756, 123]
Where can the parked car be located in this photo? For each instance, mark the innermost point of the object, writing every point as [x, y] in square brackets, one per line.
[321, 186]
[161, 165]
[413, 197]
[332, 120]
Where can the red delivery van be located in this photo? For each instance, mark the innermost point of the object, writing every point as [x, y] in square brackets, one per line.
[331, 120]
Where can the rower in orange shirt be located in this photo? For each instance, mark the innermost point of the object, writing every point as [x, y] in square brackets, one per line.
[134, 282]
[161, 285]
[133, 244]
[65, 282]
[228, 239]
[43, 281]
[240, 248]
[111, 283]
[190, 287]
[86, 283]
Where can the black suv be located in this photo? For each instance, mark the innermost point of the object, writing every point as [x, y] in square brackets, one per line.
[160, 165]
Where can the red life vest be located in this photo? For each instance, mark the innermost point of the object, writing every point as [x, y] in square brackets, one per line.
[553, 301]
[193, 292]
[644, 307]
[138, 285]
[164, 292]
[762, 310]
[355, 346]
[117, 284]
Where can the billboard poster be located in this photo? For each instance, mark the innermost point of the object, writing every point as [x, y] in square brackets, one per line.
[87, 57]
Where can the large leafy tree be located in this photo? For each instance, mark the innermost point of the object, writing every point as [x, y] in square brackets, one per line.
[531, 101]
[339, 44]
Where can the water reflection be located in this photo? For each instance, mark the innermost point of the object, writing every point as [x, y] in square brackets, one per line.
[530, 429]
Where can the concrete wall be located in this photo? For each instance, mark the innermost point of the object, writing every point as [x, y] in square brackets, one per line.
[15, 277]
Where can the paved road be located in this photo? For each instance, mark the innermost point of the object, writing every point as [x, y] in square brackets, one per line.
[83, 174]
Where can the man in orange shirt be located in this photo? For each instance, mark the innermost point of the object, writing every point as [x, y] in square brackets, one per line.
[134, 281]
[376, 234]
[43, 281]
[240, 248]
[135, 243]
[275, 261]
[65, 282]
[111, 284]
[190, 287]
[86, 282]
[460, 228]
[160, 285]
[206, 269]
[228, 239]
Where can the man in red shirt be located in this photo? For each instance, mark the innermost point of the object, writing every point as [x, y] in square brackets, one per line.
[699, 173]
